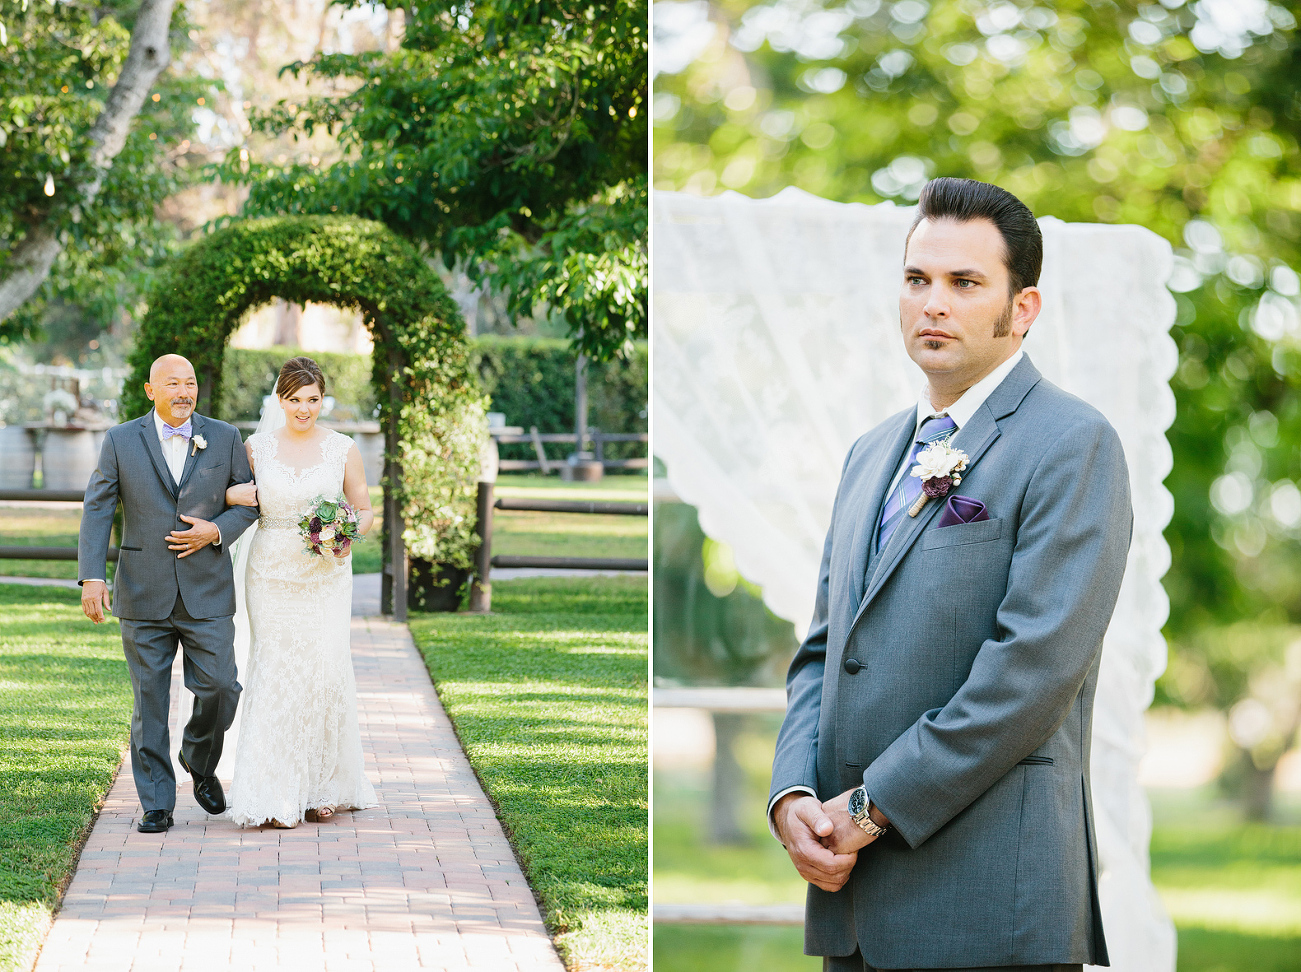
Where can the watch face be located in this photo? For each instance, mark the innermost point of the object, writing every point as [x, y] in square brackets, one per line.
[857, 800]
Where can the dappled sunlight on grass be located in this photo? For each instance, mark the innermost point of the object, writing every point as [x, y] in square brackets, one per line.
[721, 948]
[35, 526]
[1233, 889]
[548, 695]
[64, 718]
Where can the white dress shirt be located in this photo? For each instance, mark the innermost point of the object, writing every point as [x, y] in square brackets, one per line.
[174, 448]
[961, 412]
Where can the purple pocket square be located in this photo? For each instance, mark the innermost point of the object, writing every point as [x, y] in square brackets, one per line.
[962, 509]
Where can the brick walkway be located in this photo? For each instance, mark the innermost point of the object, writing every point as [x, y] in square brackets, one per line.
[424, 881]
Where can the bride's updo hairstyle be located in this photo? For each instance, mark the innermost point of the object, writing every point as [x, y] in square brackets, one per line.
[298, 372]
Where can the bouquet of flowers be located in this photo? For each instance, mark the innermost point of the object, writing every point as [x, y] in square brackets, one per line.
[329, 525]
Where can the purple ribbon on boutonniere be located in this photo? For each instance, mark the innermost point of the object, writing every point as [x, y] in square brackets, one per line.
[938, 467]
[962, 509]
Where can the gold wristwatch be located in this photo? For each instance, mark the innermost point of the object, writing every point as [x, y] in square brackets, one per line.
[860, 808]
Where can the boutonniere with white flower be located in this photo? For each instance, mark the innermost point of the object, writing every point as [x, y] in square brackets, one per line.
[199, 443]
[938, 467]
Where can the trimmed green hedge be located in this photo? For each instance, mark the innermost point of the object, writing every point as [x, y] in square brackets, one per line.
[531, 380]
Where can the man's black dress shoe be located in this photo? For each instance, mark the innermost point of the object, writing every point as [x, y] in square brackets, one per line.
[155, 821]
[207, 789]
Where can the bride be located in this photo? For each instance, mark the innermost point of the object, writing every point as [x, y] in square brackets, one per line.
[298, 753]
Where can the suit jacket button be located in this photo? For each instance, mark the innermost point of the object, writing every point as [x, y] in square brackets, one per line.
[852, 666]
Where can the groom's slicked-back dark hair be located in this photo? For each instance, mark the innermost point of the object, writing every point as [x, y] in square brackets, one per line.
[297, 373]
[966, 199]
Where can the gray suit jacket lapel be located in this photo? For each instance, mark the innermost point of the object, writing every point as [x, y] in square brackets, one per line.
[197, 422]
[873, 496]
[974, 439]
[149, 433]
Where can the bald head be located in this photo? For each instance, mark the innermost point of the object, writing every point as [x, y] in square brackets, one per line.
[169, 364]
[172, 388]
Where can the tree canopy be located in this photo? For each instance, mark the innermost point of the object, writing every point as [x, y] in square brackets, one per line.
[1168, 116]
[507, 134]
[83, 158]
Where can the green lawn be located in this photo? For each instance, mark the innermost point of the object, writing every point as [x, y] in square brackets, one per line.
[1233, 889]
[34, 526]
[515, 533]
[548, 695]
[65, 707]
[518, 533]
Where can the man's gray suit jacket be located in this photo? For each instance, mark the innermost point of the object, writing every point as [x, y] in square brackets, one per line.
[953, 675]
[149, 576]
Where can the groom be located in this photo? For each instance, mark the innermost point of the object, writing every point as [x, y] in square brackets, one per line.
[170, 470]
[931, 779]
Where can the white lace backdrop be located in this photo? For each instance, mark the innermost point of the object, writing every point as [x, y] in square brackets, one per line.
[776, 344]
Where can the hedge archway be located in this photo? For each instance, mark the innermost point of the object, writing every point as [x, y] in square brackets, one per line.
[431, 408]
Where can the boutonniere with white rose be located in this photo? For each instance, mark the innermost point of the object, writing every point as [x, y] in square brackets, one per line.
[938, 467]
[199, 443]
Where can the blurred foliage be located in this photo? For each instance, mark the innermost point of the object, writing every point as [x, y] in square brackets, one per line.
[509, 134]
[249, 375]
[58, 63]
[1183, 119]
[532, 381]
[711, 626]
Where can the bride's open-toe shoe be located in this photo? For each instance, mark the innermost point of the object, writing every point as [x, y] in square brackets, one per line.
[322, 814]
[282, 826]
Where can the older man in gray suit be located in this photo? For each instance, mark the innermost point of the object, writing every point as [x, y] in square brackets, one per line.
[940, 708]
[170, 470]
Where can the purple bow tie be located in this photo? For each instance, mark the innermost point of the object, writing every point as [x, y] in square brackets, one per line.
[184, 431]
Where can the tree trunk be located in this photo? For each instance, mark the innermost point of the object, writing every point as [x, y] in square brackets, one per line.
[729, 781]
[30, 261]
[28, 268]
[1257, 791]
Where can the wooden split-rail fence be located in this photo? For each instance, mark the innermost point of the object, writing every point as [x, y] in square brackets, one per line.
[485, 561]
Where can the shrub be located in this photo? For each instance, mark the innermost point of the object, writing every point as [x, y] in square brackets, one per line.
[424, 383]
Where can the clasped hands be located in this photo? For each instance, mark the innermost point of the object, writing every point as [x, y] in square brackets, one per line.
[822, 839]
[200, 534]
[95, 602]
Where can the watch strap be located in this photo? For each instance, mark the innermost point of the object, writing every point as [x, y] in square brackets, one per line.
[864, 818]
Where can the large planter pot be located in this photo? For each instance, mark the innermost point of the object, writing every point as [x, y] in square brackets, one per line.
[435, 587]
[69, 457]
[17, 458]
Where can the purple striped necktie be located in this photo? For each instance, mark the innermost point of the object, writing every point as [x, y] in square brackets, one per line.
[934, 429]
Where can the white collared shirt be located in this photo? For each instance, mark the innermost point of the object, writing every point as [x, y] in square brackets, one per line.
[961, 412]
[174, 448]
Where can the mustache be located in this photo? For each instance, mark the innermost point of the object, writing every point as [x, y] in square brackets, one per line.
[182, 401]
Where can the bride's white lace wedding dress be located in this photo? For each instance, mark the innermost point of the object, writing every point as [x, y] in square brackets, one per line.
[299, 744]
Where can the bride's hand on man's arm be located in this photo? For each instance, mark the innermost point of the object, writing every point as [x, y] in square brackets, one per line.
[242, 494]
